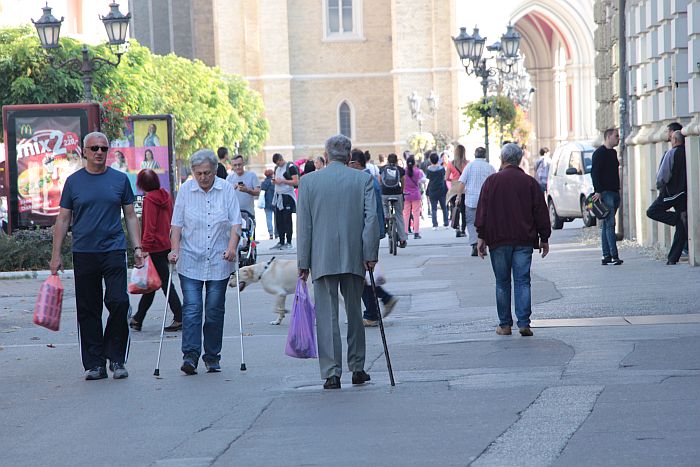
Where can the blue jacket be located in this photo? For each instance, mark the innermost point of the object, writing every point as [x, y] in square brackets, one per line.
[269, 190]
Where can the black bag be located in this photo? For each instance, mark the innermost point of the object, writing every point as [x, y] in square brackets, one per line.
[391, 177]
[597, 208]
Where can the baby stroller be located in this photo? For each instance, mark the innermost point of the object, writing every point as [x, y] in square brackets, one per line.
[247, 249]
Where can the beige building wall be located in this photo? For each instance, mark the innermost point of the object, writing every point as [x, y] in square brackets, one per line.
[662, 42]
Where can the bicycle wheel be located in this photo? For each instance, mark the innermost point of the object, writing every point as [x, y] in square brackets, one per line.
[389, 237]
[394, 237]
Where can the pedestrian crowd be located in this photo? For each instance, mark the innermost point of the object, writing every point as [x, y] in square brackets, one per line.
[342, 202]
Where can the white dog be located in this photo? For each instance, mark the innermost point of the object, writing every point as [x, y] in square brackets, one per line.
[278, 277]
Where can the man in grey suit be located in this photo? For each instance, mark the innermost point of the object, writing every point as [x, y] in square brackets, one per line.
[337, 241]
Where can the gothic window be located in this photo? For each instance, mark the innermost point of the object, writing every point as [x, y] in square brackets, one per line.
[345, 119]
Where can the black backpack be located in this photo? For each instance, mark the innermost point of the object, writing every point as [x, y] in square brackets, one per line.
[391, 177]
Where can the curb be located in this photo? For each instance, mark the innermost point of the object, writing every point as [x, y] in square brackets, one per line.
[44, 274]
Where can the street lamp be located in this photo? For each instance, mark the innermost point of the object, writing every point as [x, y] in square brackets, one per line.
[470, 49]
[116, 24]
[414, 104]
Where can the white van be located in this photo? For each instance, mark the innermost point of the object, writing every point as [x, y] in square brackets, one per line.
[569, 183]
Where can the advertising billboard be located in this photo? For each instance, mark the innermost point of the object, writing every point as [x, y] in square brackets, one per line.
[43, 145]
[146, 143]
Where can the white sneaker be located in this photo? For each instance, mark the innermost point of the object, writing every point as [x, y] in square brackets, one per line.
[435, 228]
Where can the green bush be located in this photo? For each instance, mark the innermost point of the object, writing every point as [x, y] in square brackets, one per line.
[30, 250]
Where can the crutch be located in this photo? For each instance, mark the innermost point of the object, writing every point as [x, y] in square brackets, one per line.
[240, 319]
[381, 326]
[156, 372]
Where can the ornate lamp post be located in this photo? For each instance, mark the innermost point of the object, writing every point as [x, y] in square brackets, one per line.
[116, 24]
[470, 49]
[414, 104]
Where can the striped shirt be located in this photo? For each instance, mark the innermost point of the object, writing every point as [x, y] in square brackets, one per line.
[473, 177]
[206, 220]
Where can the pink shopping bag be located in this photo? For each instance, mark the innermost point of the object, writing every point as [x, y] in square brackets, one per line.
[47, 311]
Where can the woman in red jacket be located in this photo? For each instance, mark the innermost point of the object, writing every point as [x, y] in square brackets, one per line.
[155, 240]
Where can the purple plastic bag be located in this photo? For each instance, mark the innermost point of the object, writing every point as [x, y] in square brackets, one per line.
[301, 338]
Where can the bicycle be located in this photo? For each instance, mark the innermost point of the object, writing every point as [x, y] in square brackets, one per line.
[392, 229]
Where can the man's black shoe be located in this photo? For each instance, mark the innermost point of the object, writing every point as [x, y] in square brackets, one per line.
[360, 377]
[605, 261]
[98, 372]
[670, 263]
[461, 234]
[332, 383]
[188, 368]
[616, 261]
[118, 370]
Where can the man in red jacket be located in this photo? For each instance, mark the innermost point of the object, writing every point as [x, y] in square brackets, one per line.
[512, 219]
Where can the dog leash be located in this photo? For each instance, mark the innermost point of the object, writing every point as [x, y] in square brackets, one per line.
[267, 265]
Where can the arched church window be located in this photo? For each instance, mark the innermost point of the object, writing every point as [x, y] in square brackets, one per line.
[345, 120]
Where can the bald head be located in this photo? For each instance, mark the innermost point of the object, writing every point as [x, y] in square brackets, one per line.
[677, 139]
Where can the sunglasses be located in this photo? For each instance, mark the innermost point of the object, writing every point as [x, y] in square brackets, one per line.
[97, 148]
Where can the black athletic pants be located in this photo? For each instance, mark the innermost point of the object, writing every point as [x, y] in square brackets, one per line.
[283, 219]
[96, 345]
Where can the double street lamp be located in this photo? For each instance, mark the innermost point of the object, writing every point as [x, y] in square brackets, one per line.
[470, 49]
[414, 104]
[116, 24]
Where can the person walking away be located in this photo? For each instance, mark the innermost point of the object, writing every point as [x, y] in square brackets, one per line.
[470, 183]
[512, 219]
[605, 174]
[221, 171]
[338, 240]
[155, 240]
[412, 196]
[285, 180]
[454, 171]
[391, 179]
[92, 202]
[672, 185]
[269, 190]
[542, 168]
[370, 317]
[437, 189]
[205, 225]
[246, 184]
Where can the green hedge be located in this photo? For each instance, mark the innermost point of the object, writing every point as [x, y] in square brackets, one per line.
[30, 250]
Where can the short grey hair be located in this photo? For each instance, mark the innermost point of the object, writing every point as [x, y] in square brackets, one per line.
[338, 148]
[94, 134]
[202, 156]
[511, 154]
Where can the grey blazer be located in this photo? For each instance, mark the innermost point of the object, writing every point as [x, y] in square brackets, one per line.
[337, 227]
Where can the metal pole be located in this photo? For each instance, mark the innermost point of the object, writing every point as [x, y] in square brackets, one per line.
[86, 70]
[623, 226]
[484, 87]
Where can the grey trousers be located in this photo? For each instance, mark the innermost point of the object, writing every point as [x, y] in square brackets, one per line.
[399, 214]
[330, 346]
[471, 230]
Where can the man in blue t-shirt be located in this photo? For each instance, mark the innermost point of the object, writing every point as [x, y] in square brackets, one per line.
[93, 199]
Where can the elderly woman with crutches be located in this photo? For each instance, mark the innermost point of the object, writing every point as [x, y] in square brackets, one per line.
[205, 225]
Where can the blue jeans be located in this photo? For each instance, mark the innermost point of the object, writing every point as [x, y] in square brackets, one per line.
[269, 213]
[507, 259]
[433, 206]
[607, 225]
[214, 307]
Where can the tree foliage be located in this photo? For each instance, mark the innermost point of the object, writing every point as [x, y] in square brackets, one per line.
[210, 109]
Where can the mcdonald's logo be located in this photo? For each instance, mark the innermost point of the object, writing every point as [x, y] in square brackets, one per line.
[25, 130]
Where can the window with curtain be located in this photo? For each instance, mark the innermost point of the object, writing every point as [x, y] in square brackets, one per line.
[339, 16]
[345, 120]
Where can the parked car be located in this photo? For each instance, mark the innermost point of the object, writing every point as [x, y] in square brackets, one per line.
[569, 183]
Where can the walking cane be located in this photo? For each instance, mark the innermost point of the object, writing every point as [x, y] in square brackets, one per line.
[381, 326]
[240, 319]
[156, 372]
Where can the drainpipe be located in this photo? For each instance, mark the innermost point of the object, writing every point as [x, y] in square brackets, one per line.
[625, 209]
